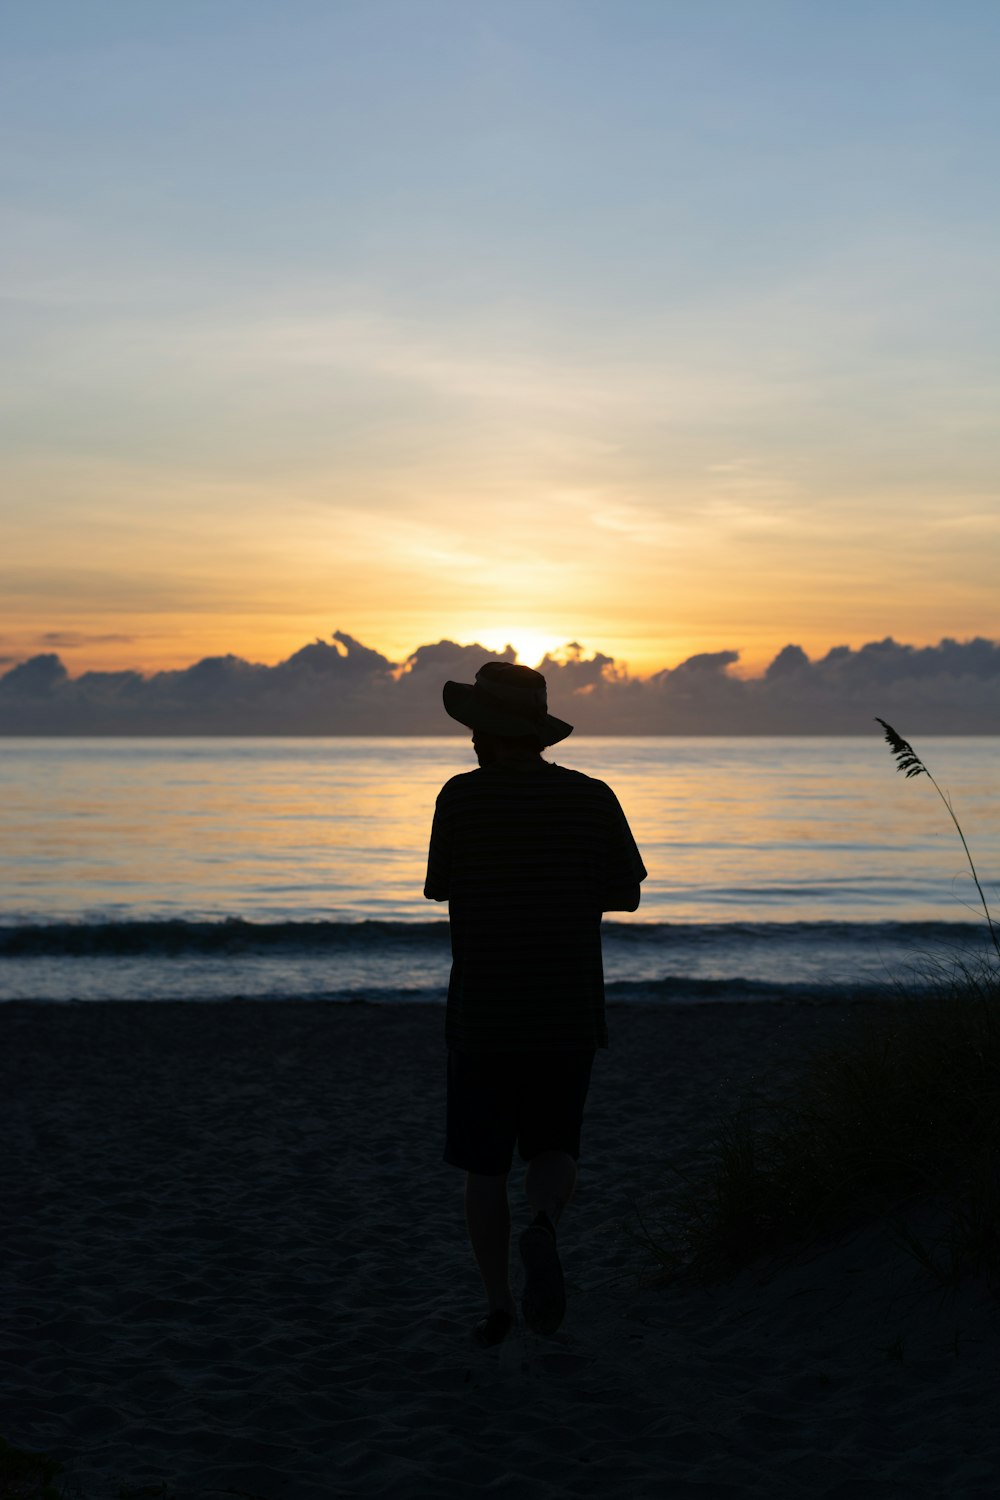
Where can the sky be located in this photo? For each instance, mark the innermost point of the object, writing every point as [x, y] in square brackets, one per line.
[666, 328]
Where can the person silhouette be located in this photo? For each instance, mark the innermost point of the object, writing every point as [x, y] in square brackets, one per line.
[528, 855]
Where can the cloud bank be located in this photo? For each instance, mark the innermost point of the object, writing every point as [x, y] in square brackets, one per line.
[341, 687]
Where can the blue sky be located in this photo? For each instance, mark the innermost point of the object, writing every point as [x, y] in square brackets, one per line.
[663, 326]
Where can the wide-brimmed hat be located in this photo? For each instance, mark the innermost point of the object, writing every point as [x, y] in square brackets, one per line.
[505, 699]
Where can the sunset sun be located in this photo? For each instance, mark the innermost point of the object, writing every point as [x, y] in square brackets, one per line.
[532, 646]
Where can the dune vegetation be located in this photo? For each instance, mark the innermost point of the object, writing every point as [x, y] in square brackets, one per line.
[898, 1116]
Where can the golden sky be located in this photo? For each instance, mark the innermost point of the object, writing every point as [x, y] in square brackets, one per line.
[661, 329]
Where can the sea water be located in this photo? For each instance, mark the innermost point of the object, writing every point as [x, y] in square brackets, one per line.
[214, 869]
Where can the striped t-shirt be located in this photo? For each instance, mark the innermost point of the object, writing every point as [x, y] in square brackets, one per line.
[527, 861]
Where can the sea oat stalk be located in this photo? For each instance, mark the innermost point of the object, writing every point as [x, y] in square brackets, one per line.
[909, 761]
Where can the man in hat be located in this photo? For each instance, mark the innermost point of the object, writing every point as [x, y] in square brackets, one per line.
[528, 855]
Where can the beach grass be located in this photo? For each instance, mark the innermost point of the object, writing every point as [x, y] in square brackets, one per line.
[910, 764]
[898, 1118]
[901, 1114]
[27, 1476]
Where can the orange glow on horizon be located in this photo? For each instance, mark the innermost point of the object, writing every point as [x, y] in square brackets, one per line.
[115, 644]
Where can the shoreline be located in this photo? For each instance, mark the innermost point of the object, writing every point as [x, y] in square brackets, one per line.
[237, 1259]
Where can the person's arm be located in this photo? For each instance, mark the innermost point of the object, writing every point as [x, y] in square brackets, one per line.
[624, 870]
[438, 858]
[626, 899]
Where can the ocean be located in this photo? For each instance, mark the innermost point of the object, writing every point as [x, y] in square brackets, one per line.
[222, 869]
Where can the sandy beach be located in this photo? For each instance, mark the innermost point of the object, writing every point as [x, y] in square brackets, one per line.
[235, 1262]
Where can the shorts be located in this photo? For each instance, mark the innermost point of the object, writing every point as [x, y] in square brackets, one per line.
[497, 1099]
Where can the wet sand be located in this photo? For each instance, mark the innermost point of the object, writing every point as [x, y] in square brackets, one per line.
[234, 1260]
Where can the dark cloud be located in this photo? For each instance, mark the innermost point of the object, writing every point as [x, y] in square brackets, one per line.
[791, 661]
[414, 705]
[38, 677]
[341, 686]
[456, 663]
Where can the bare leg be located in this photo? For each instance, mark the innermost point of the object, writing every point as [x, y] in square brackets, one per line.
[550, 1182]
[487, 1216]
